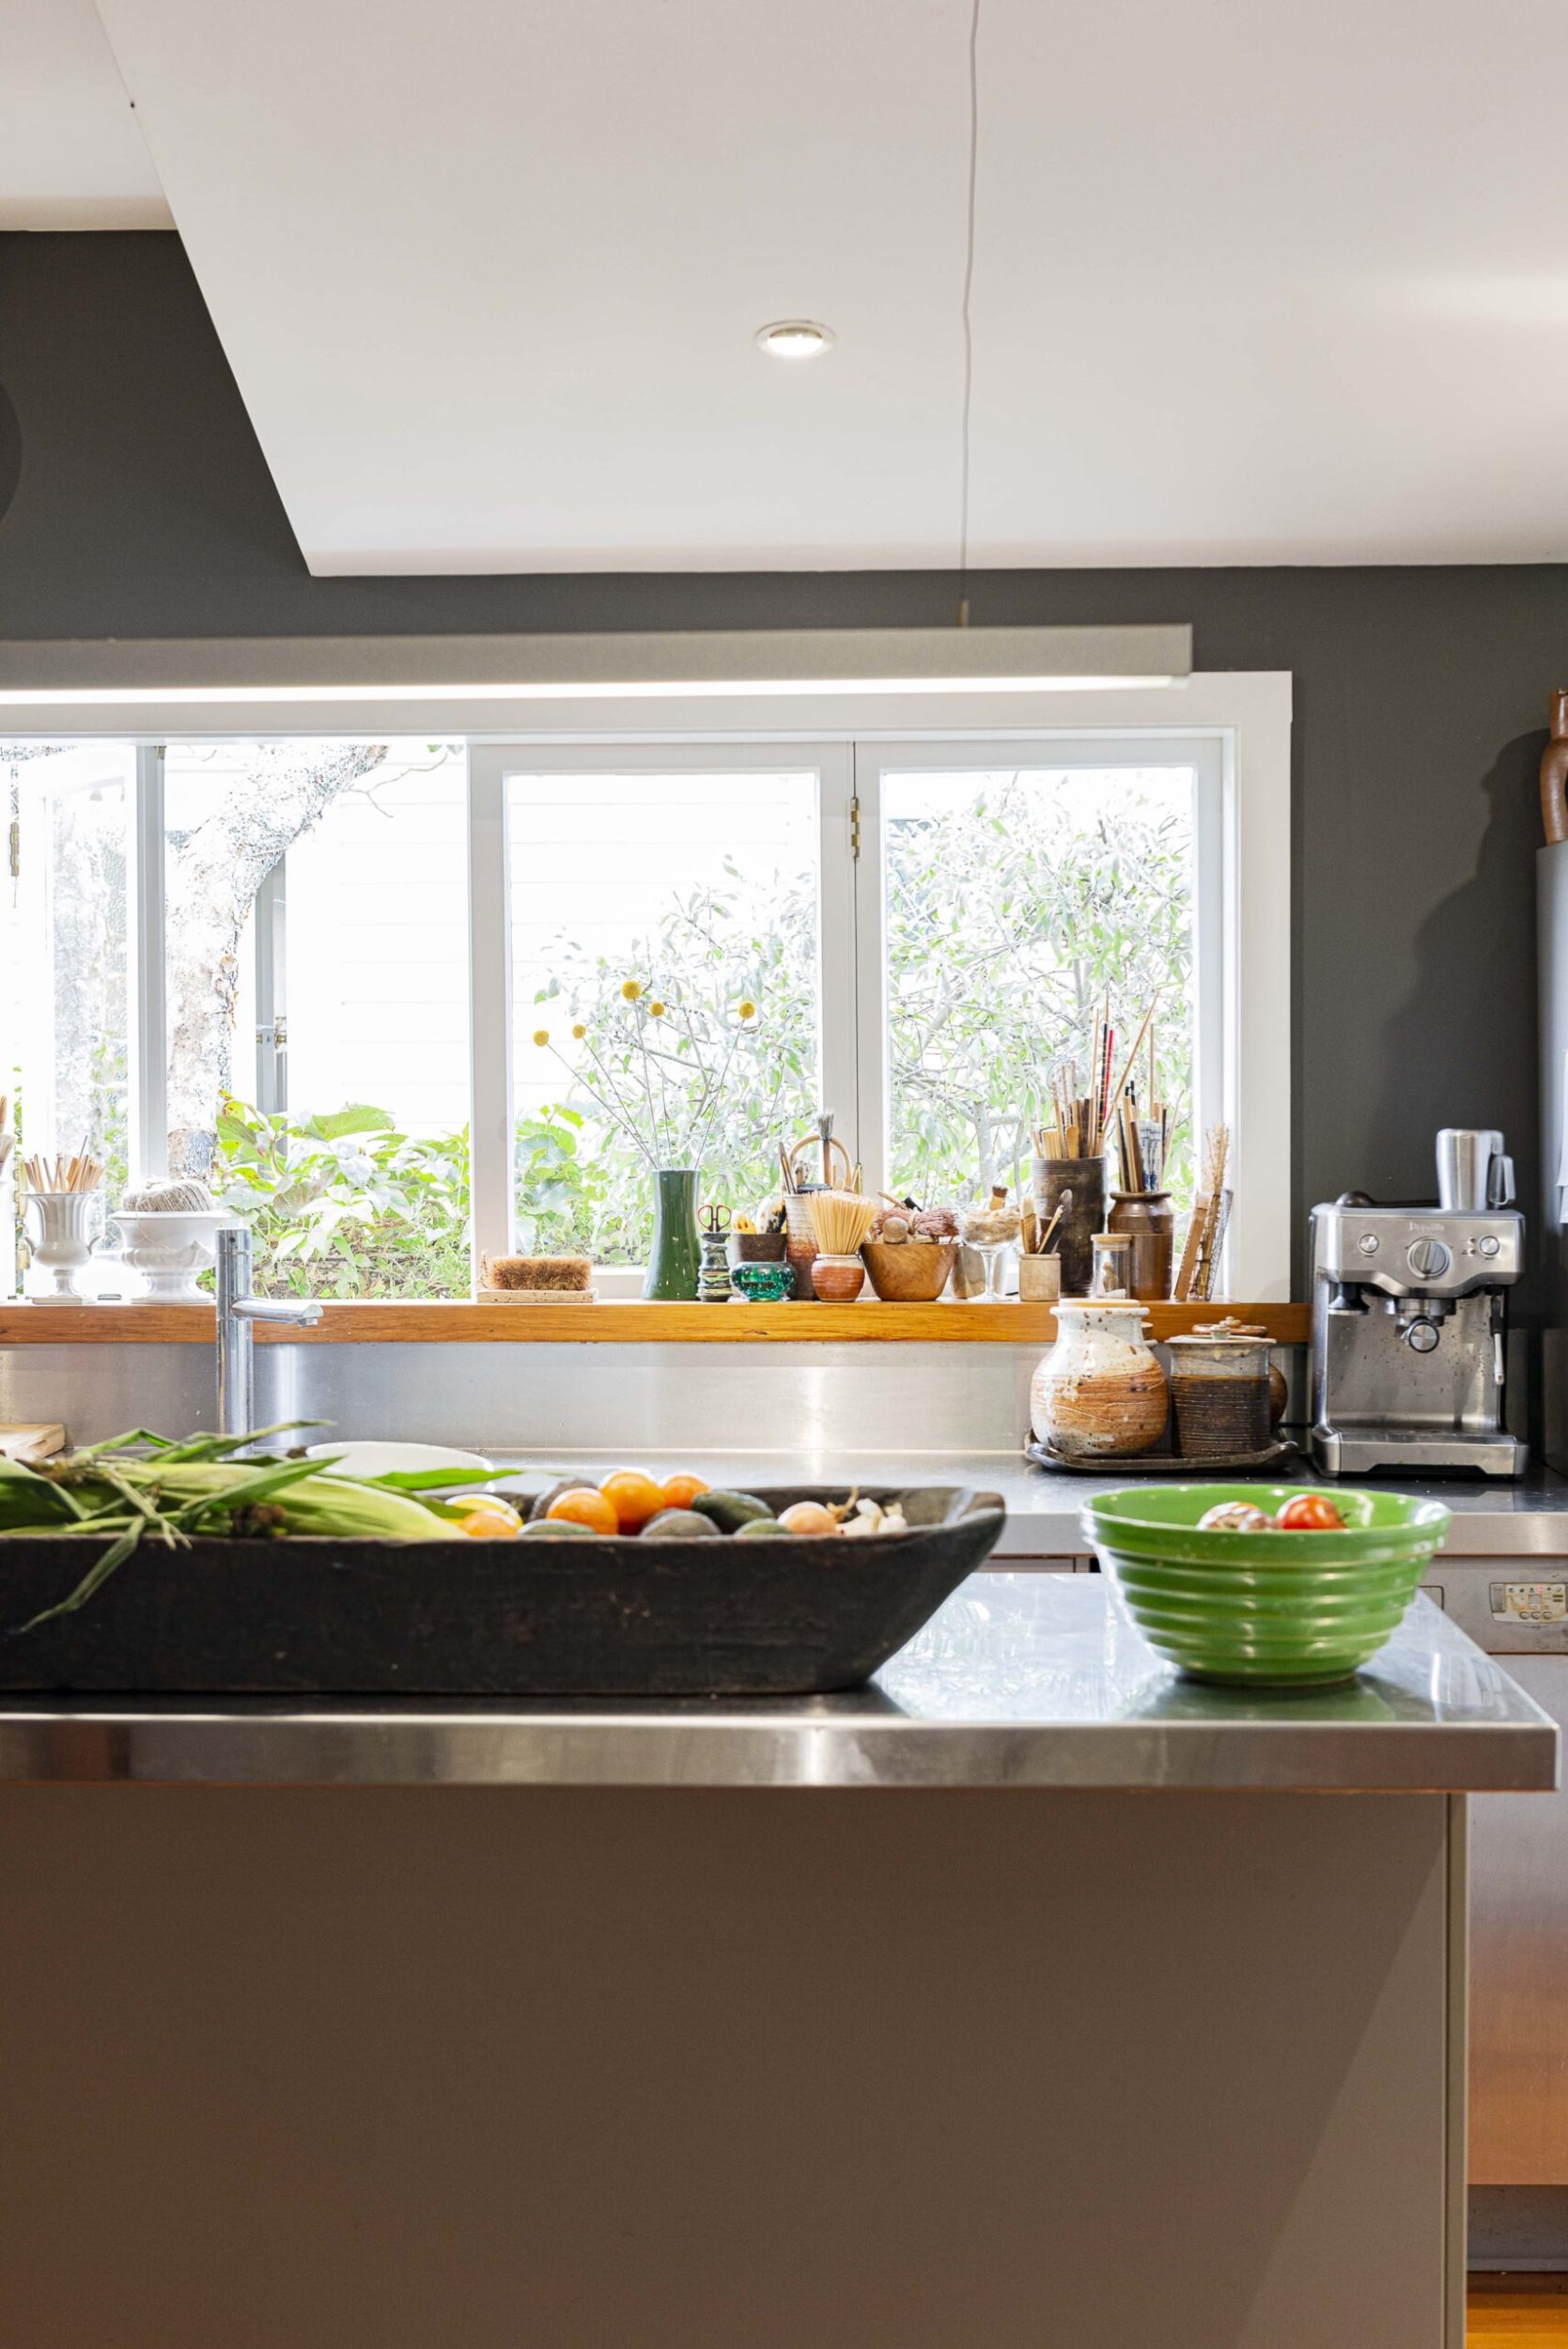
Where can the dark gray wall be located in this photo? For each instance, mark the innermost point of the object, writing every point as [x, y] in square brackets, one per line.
[144, 509]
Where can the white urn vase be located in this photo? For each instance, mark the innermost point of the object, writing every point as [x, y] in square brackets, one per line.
[62, 1245]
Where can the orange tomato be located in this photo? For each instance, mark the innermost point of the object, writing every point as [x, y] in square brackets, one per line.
[681, 1491]
[634, 1497]
[584, 1507]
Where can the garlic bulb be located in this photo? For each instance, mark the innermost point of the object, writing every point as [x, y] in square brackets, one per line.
[871, 1519]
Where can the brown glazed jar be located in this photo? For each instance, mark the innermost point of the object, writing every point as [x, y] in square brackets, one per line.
[1554, 772]
[1149, 1220]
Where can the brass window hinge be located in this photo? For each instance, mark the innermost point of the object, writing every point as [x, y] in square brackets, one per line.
[855, 827]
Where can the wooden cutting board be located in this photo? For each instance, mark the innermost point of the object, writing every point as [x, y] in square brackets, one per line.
[26, 1443]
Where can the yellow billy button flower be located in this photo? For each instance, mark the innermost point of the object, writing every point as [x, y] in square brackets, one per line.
[631, 989]
[580, 1032]
[748, 1009]
[656, 1011]
[541, 1035]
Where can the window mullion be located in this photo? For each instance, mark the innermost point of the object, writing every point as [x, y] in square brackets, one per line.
[272, 991]
[150, 1070]
[871, 1047]
[836, 945]
[490, 1009]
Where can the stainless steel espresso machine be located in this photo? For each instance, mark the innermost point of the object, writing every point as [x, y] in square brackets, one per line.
[1408, 1321]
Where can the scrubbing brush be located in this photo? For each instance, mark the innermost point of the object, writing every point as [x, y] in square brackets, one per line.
[536, 1280]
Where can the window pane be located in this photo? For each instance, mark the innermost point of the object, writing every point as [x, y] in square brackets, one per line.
[65, 942]
[323, 886]
[701, 891]
[1015, 900]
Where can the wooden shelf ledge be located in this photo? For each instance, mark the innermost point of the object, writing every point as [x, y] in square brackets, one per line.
[630, 1323]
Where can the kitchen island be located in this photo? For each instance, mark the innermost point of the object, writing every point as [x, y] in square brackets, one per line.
[1027, 1993]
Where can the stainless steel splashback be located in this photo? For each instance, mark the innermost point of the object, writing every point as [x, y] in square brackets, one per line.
[580, 1398]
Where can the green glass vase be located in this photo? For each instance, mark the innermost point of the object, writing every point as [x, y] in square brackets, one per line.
[676, 1259]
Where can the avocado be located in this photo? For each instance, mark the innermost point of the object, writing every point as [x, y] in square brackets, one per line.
[731, 1511]
[678, 1525]
[555, 1528]
[765, 1527]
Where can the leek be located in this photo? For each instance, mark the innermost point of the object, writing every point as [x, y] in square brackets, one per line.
[173, 1491]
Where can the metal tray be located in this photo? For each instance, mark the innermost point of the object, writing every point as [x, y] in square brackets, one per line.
[1161, 1463]
[600, 1617]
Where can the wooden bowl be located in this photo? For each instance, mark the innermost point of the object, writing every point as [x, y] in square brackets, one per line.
[914, 1273]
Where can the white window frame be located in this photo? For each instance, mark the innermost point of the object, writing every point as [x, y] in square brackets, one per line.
[1237, 724]
[1234, 728]
[1203, 753]
[489, 765]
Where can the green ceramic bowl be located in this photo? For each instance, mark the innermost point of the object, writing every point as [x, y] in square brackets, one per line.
[1263, 1609]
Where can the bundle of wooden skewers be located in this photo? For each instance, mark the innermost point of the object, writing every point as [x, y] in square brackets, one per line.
[1199, 1271]
[79, 1172]
[1083, 1121]
[1143, 1132]
[840, 1220]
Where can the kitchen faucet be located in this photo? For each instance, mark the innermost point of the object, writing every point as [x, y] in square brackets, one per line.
[237, 1310]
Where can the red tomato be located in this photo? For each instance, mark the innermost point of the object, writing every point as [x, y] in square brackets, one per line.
[1309, 1513]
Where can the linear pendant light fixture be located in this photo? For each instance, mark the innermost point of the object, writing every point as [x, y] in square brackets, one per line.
[449, 673]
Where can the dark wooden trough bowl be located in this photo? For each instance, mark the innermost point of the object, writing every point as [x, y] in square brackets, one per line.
[579, 1617]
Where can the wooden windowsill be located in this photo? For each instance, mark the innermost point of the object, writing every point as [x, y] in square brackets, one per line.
[460, 1322]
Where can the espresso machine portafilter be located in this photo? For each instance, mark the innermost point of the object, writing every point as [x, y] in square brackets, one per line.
[1409, 1321]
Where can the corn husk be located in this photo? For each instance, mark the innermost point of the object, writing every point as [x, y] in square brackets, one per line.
[182, 1490]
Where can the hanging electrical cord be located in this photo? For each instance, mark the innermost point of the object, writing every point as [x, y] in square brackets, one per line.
[968, 324]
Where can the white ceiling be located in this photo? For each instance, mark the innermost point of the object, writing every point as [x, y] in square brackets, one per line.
[71, 153]
[1253, 284]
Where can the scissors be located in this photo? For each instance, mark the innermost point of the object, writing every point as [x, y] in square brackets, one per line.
[716, 1219]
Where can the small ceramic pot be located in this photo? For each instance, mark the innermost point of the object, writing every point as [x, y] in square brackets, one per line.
[1099, 1394]
[756, 1248]
[837, 1280]
[1039, 1280]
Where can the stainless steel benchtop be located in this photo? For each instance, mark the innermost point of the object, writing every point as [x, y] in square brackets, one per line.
[1021, 1680]
[1527, 1518]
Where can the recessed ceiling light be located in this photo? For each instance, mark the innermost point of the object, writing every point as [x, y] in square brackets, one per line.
[795, 338]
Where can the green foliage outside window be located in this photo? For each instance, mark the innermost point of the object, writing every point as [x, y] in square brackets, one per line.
[1007, 922]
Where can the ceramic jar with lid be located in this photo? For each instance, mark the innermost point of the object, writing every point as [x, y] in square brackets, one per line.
[1219, 1393]
[1100, 1392]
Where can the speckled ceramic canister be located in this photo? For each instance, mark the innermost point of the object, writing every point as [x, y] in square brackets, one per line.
[1099, 1394]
